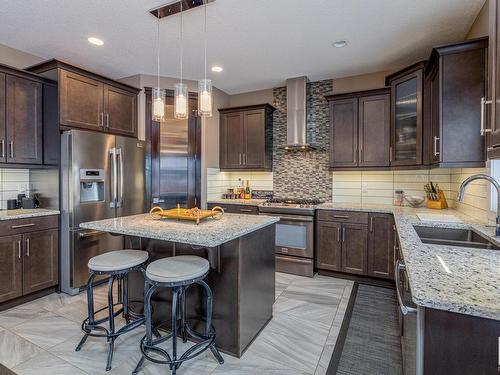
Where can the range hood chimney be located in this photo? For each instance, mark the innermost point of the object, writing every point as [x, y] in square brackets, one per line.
[296, 115]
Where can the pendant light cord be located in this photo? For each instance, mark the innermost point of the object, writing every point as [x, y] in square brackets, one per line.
[158, 46]
[205, 33]
[181, 41]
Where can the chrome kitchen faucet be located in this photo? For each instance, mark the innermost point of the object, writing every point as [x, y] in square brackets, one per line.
[482, 176]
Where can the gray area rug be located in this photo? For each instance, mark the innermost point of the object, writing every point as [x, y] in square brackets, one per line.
[370, 338]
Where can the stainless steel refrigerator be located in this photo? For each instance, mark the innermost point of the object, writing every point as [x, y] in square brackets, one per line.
[102, 177]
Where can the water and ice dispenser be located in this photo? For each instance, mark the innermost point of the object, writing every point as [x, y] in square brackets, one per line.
[91, 185]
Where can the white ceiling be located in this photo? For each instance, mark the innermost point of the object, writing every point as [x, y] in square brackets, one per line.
[259, 43]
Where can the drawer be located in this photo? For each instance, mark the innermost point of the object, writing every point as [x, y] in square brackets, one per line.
[343, 216]
[236, 208]
[16, 226]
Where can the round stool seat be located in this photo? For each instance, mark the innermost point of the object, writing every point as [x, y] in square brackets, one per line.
[117, 260]
[177, 269]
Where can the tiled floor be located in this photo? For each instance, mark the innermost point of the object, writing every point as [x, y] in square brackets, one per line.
[40, 337]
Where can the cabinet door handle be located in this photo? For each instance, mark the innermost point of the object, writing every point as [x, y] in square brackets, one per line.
[390, 154]
[22, 226]
[338, 234]
[343, 234]
[371, 223]
[244, 159]
[19, 249]
[11, 145]
[483, 109]
[241, 159]
[27, 247]
[3, 147]
[436, 152]
[101, 123]
[107, 120]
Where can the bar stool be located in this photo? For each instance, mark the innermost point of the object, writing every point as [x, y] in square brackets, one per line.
[116, 265]
[177, 273]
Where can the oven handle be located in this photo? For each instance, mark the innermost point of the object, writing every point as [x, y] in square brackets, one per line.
[290, 217]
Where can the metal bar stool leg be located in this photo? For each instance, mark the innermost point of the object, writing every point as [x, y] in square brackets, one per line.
[175, 296]
[111, 311]
[183, 314]
[208, 328]
[148, 292]
[125, 299]
[90, 310]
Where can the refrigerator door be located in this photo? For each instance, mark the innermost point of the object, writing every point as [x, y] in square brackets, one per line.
[86, 244]
[131, 181]
[89, 152]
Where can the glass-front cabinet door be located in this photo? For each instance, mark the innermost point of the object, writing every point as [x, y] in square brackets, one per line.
[406, 119]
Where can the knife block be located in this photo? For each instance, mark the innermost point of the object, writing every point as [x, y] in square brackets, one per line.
[439, 204]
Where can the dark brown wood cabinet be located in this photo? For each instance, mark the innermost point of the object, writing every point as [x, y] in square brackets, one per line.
[406, 115]
[29, 256]
[23, 120]
[40, 264]
[90, 101]
[360, 129]
[355, 242]
[246, 138]
[381, 250]
[491, 103]
[354, 248]
[11, 266]
[328, 246]
[3, 154]
[455, 82]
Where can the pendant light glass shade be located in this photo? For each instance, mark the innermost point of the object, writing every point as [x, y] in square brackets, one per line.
[159, 96]
[205, 97]
[181, 101]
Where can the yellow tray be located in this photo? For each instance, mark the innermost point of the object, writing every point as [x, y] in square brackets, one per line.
[193, 214]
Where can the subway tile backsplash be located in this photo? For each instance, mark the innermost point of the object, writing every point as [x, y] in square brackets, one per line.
[12, 182]
[218, 182]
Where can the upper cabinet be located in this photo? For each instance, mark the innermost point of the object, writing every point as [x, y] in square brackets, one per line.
[491, 104]
[406, 115]
[22, 117]
[455, 83]
[360, 129]
[90, 101]
[246, 138]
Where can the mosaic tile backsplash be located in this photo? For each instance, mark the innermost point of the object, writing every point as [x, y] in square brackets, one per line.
[303, 174]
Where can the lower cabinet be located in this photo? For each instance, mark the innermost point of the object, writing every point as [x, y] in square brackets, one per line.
[381, 246]
[28, 260]
[356, 247]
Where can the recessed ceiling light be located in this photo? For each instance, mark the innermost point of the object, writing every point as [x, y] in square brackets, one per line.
[96, 41]
[339, 43]
[217, 69]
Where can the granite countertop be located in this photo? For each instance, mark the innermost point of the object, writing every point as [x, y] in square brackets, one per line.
[248, 202]
[209, 233]
[26, 213]
[451, 278]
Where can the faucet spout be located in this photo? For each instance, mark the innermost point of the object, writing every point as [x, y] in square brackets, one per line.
[482, 176]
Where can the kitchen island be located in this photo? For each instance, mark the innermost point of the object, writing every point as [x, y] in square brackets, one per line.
[240, 249]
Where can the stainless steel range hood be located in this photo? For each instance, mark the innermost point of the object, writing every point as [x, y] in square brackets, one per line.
[296, 104]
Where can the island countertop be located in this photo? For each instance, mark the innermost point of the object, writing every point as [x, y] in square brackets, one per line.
[209, 233]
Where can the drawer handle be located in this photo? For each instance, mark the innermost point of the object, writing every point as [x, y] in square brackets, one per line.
[245, 210]
[22, 226]
[340, 217]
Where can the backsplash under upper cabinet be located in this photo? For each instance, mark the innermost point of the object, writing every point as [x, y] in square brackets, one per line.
[12, 182]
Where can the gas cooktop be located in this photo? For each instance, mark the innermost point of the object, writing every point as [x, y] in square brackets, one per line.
[290, 206]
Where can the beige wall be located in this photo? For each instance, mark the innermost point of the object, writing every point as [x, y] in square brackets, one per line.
[251, 98]
[480, 26]
[360, 83]
[16, 58]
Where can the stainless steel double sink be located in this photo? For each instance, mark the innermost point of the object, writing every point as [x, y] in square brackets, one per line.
[454, 237]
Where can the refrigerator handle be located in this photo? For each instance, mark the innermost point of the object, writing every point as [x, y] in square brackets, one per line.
[114, 193]
[119, 154]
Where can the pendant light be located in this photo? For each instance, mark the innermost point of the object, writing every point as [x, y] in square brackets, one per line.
[181, 90]
[159, 95]
[205, 85]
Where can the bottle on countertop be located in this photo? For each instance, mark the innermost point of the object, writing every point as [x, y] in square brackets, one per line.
[242, 190]
[247, 190]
